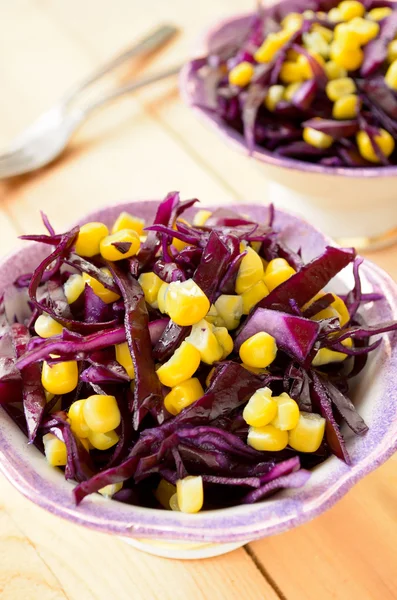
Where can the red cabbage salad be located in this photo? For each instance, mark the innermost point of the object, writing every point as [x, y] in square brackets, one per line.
[188, 363]
[312, 80]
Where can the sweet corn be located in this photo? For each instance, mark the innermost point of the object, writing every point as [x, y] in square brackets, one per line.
[161, 296]
[151, 284]
[177, 243]
[308, 434]
[190, 494]
[230, 309]
[89, 239]
[392, 51]
[327, 313]
[110, 490]
[367, 30]
[60, 378]
[73, 287]
[101, 413]
[181, 366]
[377, 14]
[292, 55]
[351, 8]
[334, 15]
[214, 317]
[259, 350]
[384, 140]
[287, 416]
[346, 107]
[350, 60]
[253, 295]
[293, 72]
[241, 74]
[186, 303]
[47, 327]
[225, 340]
[99, 289]
[345, 35]
[326, 356]
[267, 438]
[164, 492]
[272, 44]
[127, 221]
[316, 138]
[334, 71]
[306, 66]
[124, 358]
[341, 308]
[326, 33]
[309, 14]
[183, 395]
[315, 42]
[120, 245]
[338, 88]
[103, 441]
[277, 271]
[274, 96]
[201, 217]
[391, 76]
[77, 421]
[255, 370]
[290, 91]
[86, 443]
[55, 450]
[249, 273]
[260, 409]
[203, 338]
[292, 22]
[174, 503]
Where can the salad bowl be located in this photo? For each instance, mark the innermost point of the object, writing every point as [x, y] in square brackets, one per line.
[209, 533]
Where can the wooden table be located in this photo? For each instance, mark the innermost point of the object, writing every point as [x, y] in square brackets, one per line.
[143, 147]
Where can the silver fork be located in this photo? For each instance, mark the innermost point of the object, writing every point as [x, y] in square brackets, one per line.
[47, 137]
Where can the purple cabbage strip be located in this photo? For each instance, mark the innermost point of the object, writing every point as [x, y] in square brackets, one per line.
[292, 480]
[345, 408]
[375, 52]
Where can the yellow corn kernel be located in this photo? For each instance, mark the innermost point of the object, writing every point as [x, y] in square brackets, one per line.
[277, 271]
[253, 295]
[267, 438]
[293, 72]
[316, 43]
[321, 14]
[384, 140]
[110, 490]
[151, 284]
[249, 273]
[161, 296]
[89, 239]
[174, 503]
[201, 217]
[391, 76]
[308, 434]
[287, 416]
[190, 494]
[349, 9]
[392, 51]
[103, 441]
[225, 340]
[346, 36]
[348, 59]
[241, 74]
[86, 443]
[316, 138]
[73, 287]
[260, 409]
[186, 303]
[338, 88]
[181, 366]
[124, 358]
[326, 33]
[48, 396]
[290, 91]
[304, 64]
[55, 450]
[203, 338]
[230, 309]
[367, 30]
[334, 71]
[99, 289]
[60, 378]
[177, 243]
[274, 96]
[127, 221]
[129, 237]
[341, 308]
[334, 15]
[326, 356]
[259, 350]
[183, 395]
[377, 14]
[164, 492]
[46, 327]
[292, 22]
[272, 44]
[101, 413]
[255, 370]
[292, 55]
[77, 420]
[214, 318]
[256, 246]
[346, 107]
[327, 313]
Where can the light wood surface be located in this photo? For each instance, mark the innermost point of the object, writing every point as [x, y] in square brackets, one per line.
[143, 147]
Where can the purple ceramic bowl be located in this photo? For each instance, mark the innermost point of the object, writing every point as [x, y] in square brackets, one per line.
[374, 394]
[338, 200]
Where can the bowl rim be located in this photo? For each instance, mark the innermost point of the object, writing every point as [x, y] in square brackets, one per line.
[237, 140]
[241, 523]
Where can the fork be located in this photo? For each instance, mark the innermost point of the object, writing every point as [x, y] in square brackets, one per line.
[49, 135]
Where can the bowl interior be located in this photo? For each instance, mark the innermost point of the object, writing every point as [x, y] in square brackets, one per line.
[373, 394]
